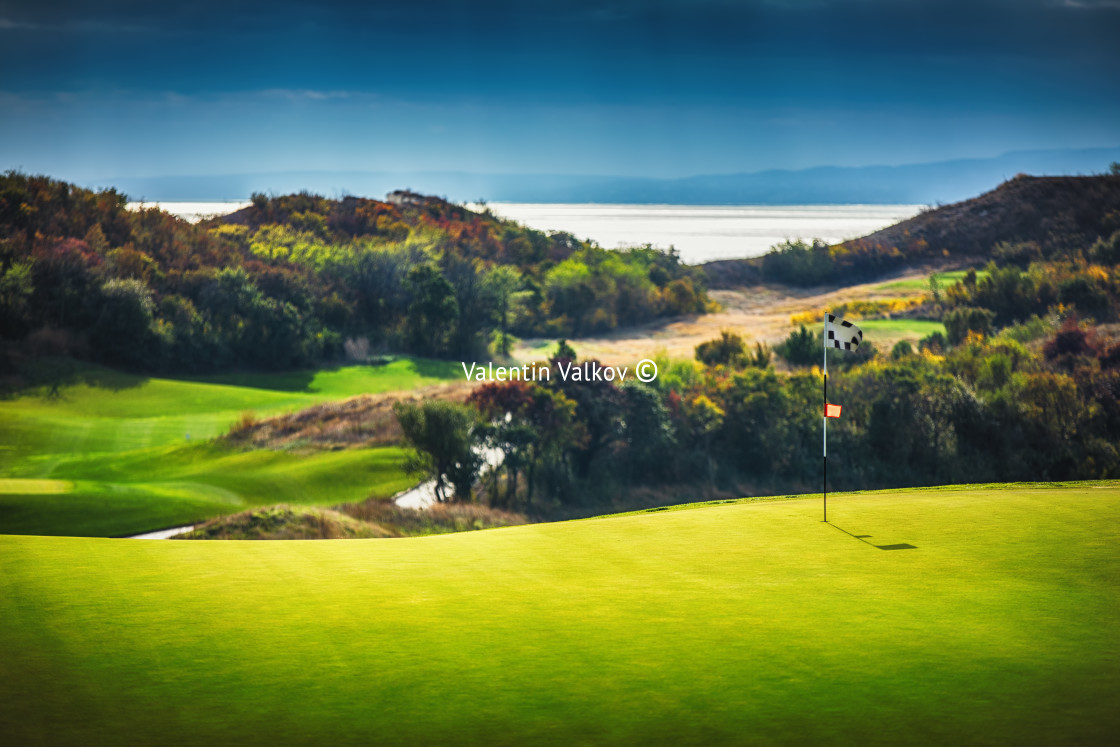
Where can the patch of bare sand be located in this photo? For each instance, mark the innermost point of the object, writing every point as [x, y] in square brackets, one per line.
[758, 313]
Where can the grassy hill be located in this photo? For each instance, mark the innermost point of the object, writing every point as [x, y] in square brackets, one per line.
[1056, 216]
[966, 615]
[1061, 214]
[121, 454]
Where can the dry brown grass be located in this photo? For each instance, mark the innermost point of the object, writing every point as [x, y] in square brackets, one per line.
[363, 421]
[285, 522]
[439, 518]
[759, 313]
[371, 519]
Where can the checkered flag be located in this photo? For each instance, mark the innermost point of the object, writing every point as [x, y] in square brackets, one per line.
[841, 334]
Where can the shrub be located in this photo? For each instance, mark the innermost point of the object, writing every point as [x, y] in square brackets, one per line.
[798, 263]
[934, 342]
[1106, 251]
[726, 350]
[801, 348]
[960, 321]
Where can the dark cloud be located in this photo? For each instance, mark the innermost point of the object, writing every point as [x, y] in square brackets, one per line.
[660, 72]
[66, 44]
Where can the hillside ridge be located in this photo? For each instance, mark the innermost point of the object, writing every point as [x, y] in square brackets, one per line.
[1056, 216]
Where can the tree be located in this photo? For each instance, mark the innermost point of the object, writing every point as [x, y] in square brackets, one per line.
[935, 287]
[647, 432]
[433, 311]
[123, 330]
[531, 425]
[704, 419]
[501, 283]
[442, 433]
[16, 290]
[503, 428]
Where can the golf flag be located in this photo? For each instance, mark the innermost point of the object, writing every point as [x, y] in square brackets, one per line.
[841, 334]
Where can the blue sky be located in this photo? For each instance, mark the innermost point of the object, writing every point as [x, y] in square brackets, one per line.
[633, 88]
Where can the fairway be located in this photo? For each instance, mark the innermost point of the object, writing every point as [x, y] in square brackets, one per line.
[120, 454]
[171, 486]
[922, 284]
[892, 330]
[963, 615]
[121, 412]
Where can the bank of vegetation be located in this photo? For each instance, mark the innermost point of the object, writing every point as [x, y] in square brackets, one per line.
[1037, 400]
[369, 519]
[296, 280]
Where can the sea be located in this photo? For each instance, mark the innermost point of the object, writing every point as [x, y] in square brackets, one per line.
[700, 233]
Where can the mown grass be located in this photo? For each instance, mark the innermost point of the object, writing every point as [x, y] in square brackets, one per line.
[735, 623]
[894, 330]
[130, 412]
[132, 449]
[134, 492]
[922, 284]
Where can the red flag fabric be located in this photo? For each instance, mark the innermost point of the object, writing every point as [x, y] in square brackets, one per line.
[831, 411]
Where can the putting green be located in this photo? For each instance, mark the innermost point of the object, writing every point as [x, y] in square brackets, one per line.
[969, 616]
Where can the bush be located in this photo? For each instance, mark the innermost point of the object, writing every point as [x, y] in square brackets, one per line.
[801, 348]
[934, 342]
[1106, 251]
[798, 263]
[726, 350]
[960, 321]
[902, 349]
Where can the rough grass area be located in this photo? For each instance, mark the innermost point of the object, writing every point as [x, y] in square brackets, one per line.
[286, 523]
[368, 519]
[960, 616]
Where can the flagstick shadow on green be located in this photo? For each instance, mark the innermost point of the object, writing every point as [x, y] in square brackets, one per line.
[863, 538]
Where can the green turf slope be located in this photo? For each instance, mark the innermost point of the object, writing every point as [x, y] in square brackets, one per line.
[122, 412]
[124, 454]
[740, 623]
[134, 492]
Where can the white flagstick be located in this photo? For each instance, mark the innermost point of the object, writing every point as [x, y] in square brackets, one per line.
[824, 419]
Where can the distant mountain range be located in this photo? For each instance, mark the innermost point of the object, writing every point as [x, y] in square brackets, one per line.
[924, 183]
